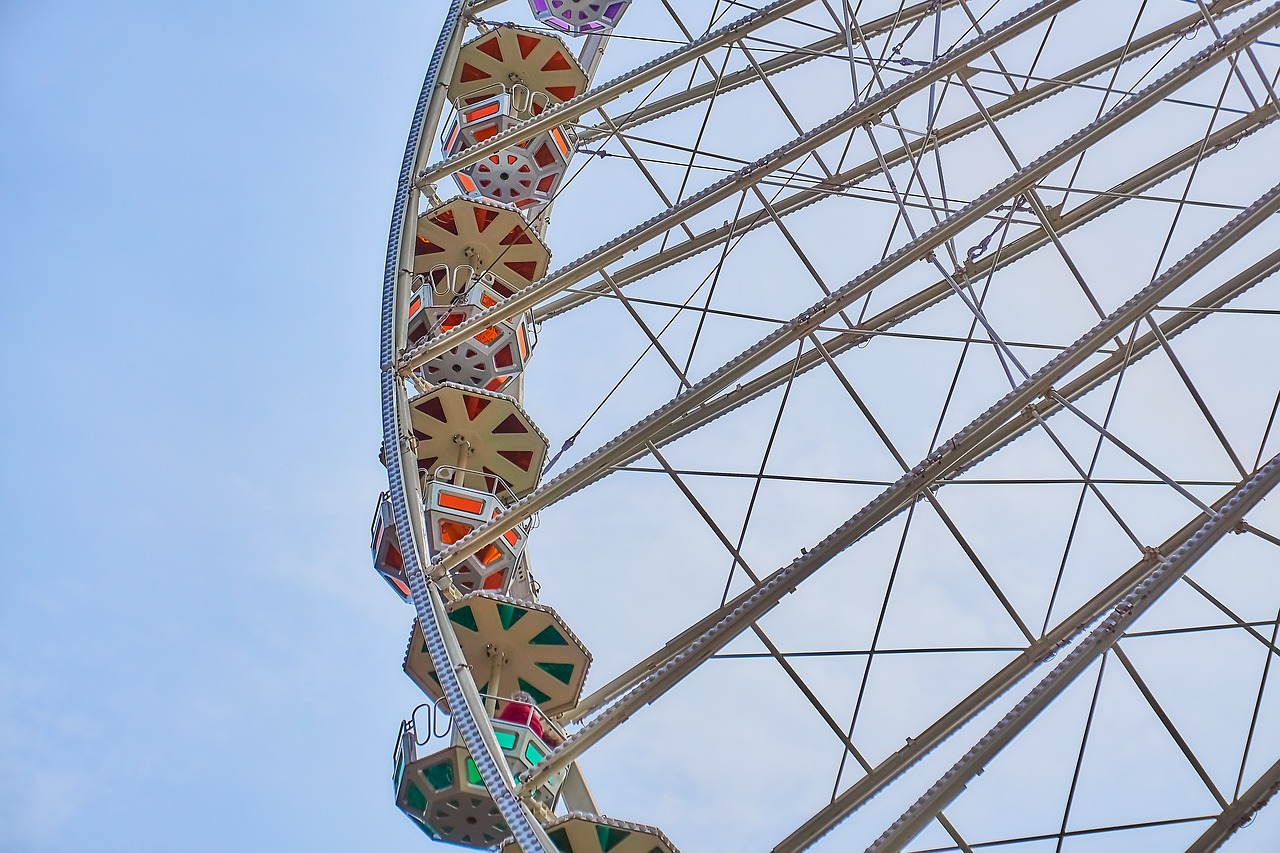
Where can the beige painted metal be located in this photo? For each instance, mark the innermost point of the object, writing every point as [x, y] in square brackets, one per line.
[518, 652]
[471, 430]
[484, 236]
[511, 56]
[591, 833]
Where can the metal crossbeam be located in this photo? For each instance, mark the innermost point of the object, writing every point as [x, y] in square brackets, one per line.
[937, 466]
[1102, 638]
[1015, 428]
[618, 451]
[997, 685]
[602, 95]
[1240, 813]
[458, 687]
[869, 111]
[851, 177]
[734, 80]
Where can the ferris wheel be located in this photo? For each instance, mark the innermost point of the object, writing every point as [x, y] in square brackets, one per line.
[893, 451]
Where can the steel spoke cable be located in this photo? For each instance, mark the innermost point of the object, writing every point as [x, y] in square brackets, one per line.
[999, 683]
[982, 697]
[841, 330]
[1107, 91]
[1257, 710]
[1196, 395]
[1199, 629]
[759, 477]
[859, 697]
[773, 650]
[789, 57]
[935, 650]
[960, 481]
[1266, 433]
[1076, 833]
[910, 514]
[1089, 476]
[976, 24]
[572, 439]
[956, 130]
[1002, 349]
[1084, 743]
[642, 163]
[1229, 290]
[759, 600]
[1165, 721]
[829, 130]
[1032, 198]
[1232, 615]
[573, 479]
[702, 129]
[1169, 571]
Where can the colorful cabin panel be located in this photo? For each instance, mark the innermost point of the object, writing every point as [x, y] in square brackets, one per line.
[487, 437]
[464, 241]
[579, 17]
[525, 749]
[512, 57]
[501, 79]
[491, 359]
[454, 511]
[539, 654]
[584, 833]
[387, 557]
[444, 795]
[524, 174]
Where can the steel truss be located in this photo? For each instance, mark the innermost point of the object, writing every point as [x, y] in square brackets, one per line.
[1100, 356]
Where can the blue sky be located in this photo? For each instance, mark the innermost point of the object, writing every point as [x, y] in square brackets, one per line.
[195, 209]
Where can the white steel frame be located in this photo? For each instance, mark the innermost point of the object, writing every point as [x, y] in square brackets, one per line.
[1035, 397]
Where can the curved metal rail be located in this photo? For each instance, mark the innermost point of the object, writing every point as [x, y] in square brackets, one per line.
[459, 689]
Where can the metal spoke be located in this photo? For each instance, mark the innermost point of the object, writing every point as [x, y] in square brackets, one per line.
[954, 330]
[1101, 639]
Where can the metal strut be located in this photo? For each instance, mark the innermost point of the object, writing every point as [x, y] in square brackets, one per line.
[840, 181]
[618, 450]
[1102, 638]
[869, 111]
[765, 596]
[1012, 430]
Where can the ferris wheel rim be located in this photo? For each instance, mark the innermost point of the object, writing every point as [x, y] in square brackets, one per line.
[427, 602]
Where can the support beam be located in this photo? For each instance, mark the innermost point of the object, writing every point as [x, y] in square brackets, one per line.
[919, 746]
[1068, 628]
[762, 598]
[869, 111]
[852, 177]
[603, 95]
[904, 17]
[1167, 573]
[975, 270]
[624, 446]
[1240, 813]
